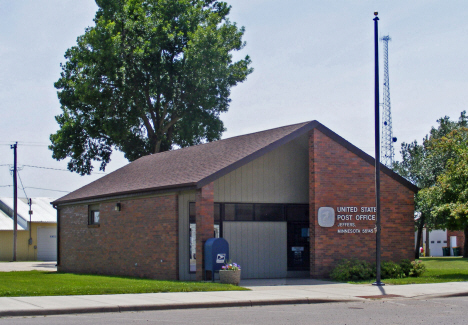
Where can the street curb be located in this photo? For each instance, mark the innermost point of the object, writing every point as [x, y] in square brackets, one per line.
[118, 309]
[450, 295]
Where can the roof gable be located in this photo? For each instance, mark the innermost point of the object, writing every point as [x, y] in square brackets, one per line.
[193, 167]
[6, 223]
[190, 167]
[42, 210]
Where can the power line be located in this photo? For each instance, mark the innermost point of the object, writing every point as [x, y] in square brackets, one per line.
[37, 188]
[50, 168]
[59, 169]
[31, 144]
[47, 189]
[24, 191]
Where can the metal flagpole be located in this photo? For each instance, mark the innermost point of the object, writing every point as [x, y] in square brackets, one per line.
[377, 150]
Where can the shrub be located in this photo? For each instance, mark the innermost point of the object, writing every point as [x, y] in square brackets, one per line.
[418, 268]
[356, 270]
[352, 270]
[406, 267]
[390, 270]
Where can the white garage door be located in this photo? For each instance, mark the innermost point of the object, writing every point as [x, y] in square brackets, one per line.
[259, 247]
[46, 244]
[438, 239]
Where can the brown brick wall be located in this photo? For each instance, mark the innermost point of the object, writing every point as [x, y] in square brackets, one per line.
[141, 240]
[204, 209]
[460, 238]
[312, 221]
[339, 178]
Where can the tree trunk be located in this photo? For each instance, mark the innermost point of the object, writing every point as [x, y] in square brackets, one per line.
[428, 243]
[465, 246]
[418, 241]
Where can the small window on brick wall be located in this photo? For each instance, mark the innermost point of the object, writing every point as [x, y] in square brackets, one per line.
[93, 215]
[193, 233]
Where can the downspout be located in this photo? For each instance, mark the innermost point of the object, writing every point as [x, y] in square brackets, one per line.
[58, 235]
[30, 225]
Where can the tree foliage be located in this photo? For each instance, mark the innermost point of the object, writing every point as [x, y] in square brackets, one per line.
[448, 197]
[418, 164]
[150, 75]
[422, 164]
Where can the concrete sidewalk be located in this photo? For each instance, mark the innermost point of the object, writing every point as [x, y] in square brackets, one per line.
[263, 292]
[28, 266]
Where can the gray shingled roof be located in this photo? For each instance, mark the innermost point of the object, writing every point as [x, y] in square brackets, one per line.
[196, 166]
[187, 167]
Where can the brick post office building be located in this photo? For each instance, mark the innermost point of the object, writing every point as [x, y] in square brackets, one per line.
[291, 202]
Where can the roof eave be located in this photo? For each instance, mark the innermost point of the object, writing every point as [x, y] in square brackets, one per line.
[127, 194]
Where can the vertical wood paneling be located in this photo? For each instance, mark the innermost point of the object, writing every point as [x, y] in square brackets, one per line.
[219, 189]
[262, 246]
[279, 176]
[249, 168]
[270, 179]
[227, 189]
[259, 247]
[230, 181]
[252, 232]
[238, 182]
[255, 184]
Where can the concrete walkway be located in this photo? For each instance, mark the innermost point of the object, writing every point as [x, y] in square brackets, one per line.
[263, 292]
[28, 266]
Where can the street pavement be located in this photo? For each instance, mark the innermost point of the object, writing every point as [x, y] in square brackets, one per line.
[261, 293]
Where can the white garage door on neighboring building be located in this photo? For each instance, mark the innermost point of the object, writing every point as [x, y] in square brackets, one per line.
[46, 244]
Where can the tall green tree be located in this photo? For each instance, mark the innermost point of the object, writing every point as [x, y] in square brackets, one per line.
[421, 166]
[449, 195]
[150, 75]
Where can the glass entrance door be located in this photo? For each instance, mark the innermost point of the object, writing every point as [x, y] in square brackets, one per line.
[298, 246]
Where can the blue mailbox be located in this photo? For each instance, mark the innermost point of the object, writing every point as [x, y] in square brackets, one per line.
[216, 255]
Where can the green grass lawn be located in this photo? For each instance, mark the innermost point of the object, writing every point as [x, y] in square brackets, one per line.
[438, 269]
[40, 283]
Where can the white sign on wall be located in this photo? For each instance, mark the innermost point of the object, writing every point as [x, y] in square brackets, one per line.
[326, 217]
[348, 219]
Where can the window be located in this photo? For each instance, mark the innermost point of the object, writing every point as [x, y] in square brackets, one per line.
[297, 212]
[269, 212]
[244, 212]
[193, 233]
[217, 218]
[93, 215]
[229, 212]
[192, 239]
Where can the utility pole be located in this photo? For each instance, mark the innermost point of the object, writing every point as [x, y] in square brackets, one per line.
[15, 199]
[30, 241]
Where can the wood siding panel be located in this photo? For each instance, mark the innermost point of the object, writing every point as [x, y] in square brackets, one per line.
[257, 169]
[24, 251]
[259, 247]
[279, 176]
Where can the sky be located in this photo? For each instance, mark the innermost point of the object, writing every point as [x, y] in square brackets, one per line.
[312, 60]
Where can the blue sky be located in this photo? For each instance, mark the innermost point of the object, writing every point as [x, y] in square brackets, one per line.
[313, 60]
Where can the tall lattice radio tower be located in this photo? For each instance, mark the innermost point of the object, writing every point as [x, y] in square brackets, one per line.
[386, 145]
